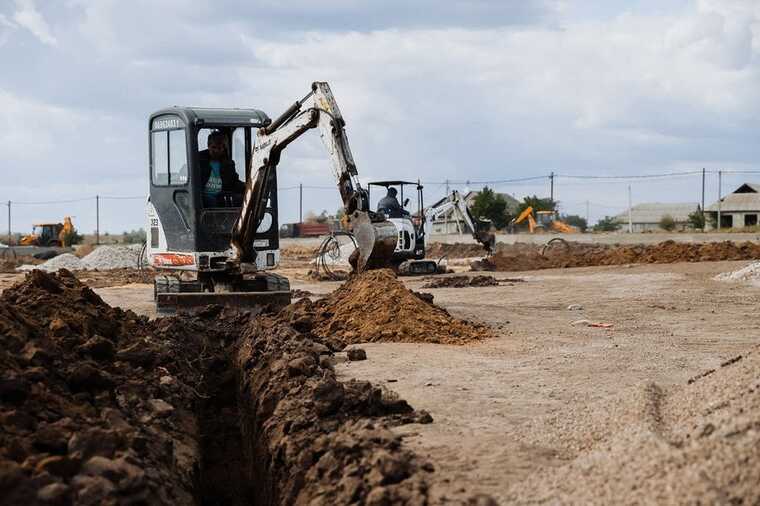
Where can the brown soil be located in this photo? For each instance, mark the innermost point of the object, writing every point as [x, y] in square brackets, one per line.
[528, 257]
[698, 444]
[460, 282]
[298, 252]
[115, 277]
[375, 306]
[336, 275]
[95, 407]
[100, 406]
[299, 294]
[332, 440]
[456, 250]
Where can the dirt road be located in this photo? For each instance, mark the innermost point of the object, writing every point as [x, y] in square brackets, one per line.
[492, 402]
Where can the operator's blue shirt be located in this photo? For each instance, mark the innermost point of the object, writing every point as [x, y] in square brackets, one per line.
[214, 184]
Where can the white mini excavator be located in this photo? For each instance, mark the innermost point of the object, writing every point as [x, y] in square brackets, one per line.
[409, 255]
[214, 236]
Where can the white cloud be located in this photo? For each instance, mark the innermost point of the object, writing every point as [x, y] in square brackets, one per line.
[557, 86]
[30, 18]
[32, 131]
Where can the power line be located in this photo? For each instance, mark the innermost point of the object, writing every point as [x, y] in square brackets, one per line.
[639, 176]
[70, 201]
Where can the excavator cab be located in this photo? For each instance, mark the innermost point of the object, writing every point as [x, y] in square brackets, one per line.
[43, 234]
[199, 159]
[544, 219]
[196, 190]
[408, 217]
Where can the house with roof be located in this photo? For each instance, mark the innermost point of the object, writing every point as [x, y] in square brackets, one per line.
[738, 209]
[647, 217]
[450, 222]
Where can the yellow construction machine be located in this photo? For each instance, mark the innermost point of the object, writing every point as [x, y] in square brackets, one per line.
[544, 221]
[49, 234]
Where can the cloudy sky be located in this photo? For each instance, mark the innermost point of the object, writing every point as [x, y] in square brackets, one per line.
[479, 90]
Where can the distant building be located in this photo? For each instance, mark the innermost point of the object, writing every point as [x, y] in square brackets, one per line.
[646, 217]
[738, 209]
[450, 223]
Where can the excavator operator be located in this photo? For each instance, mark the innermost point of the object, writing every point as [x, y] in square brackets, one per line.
[220, 183]
[389, 205]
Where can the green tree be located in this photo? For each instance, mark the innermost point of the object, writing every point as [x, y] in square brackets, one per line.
[667, 223]
[697, 220]
[575, 221]
[492, 206]
[71, 237]
[134, 236]
[607, 224]
[538, 204]
[712, 220]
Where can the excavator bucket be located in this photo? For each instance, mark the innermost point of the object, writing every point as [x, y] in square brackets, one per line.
[488, 240]
[375, 242]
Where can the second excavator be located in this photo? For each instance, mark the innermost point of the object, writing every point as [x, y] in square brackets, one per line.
[215, 236]
[545, 221]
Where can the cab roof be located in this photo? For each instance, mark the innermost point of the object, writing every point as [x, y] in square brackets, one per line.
[202, 116]
[391, 183]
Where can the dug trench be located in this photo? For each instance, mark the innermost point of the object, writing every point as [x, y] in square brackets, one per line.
[100, 406]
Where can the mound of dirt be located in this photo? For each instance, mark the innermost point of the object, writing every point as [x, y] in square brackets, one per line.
[456, 250]
[698, 444]
[460, 282]
[584, 255]
[375, 306]
[297, 252]
[333, 275]
[95, 404]
[299, 294]
[100, 406]
[331, 439]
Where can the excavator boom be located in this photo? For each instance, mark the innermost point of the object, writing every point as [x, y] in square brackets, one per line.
[457, 203]
[376, 237]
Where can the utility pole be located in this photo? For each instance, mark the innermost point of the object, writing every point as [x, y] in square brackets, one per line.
[97, 219]
[587, 213]
[446, 215]
[551, 186]
[720, 182]
[9, 223]
[703, 199]
[300, 202]
[630, 212]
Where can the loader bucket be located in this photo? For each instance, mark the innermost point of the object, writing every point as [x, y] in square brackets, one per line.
[376, 242]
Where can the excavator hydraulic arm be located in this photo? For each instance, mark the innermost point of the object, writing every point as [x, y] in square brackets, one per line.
[375, 236]
[527, 214]
[479, 233]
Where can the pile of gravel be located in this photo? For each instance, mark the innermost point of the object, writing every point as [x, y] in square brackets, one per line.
[112, 257]
[103, 258]
[65, 261]
[749, 273]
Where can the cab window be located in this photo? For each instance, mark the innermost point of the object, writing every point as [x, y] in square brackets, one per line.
[169, 157]
[222, 165]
